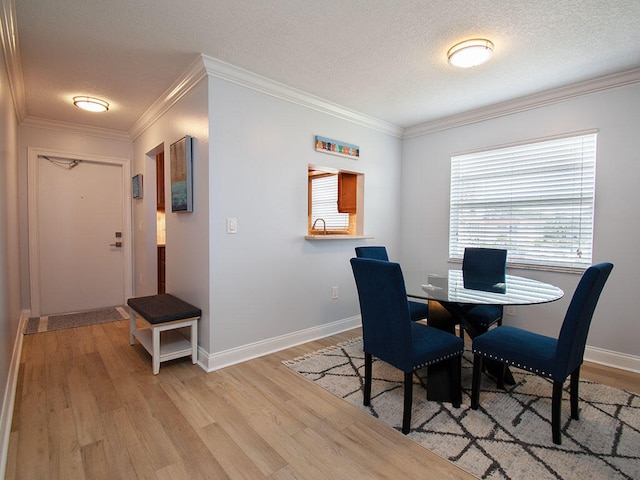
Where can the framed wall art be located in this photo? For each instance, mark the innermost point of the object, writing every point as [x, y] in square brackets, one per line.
[181, 175]
[336, 147]
[136, 186]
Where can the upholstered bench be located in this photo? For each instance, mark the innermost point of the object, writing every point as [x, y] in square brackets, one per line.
[164, 313]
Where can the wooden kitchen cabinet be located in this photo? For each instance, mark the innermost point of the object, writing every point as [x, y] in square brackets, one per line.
[347, 192]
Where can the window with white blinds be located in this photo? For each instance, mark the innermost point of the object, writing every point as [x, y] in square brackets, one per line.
[324, 204]
[536, 200]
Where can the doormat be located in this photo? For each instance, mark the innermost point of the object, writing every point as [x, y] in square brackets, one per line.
[76, 319]
[509, 436]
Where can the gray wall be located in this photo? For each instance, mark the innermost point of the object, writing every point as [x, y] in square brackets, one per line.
[267, 280]
[187, 234]
[9, 248]
[616, 115]
[250, 162]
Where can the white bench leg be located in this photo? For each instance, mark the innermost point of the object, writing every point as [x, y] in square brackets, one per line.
[155, 342]
[132, 327]
[194, 342]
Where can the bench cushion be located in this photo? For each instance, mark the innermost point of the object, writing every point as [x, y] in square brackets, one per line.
[163, 308]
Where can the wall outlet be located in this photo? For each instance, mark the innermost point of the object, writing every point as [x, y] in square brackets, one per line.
[510, 309]
[334, 293]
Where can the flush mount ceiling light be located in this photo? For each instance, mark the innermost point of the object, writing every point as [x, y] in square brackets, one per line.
[91, 104]
[470, 53]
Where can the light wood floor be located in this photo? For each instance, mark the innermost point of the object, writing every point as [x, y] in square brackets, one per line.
[88, 407]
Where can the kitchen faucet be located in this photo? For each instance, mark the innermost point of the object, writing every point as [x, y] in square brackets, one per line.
[324, 225]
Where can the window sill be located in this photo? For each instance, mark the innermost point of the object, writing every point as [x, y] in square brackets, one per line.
[337, 237]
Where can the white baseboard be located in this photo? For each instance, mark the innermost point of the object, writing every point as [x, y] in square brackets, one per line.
[214, 361]
[619, 360]
[9, 397]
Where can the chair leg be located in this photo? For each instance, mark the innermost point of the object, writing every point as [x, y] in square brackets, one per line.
[408, 401]
[455, 366]
[575, 382]
[556, 403]
[475, 382]
[367, 378]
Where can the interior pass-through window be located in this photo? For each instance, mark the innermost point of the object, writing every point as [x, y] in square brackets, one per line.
[335, 202]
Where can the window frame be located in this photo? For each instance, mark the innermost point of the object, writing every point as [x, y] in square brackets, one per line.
[524, 221]
[333, 222]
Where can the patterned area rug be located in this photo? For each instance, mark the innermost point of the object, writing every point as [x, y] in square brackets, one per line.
[73, 320]
[509, 437]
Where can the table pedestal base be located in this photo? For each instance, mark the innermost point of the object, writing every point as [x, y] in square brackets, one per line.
[438, 377]
[439, 383]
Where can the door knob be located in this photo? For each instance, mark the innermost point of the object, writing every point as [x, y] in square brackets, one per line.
[117, 244]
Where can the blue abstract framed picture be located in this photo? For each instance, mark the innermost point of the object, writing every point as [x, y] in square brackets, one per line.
[136, 186]
[181, 178]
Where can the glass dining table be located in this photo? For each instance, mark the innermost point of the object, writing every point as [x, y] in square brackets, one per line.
[459, 295]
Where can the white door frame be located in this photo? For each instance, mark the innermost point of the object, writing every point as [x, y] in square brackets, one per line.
[34, 253]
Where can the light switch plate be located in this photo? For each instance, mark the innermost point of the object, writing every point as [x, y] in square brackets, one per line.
[232, 225]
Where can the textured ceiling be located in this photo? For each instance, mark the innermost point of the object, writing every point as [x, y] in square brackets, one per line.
[383, 58]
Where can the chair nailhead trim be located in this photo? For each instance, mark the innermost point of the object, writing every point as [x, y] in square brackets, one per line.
[542, 373]
[440, 359]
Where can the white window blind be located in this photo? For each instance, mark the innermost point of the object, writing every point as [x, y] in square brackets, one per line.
[324, 204]
[536, 200]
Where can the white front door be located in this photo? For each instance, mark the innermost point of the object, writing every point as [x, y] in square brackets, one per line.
[81, 236]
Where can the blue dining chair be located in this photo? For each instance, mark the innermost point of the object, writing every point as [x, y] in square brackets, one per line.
[418, 310]
[390, 335]
[375, 252]
[484, 269]
[545, 356]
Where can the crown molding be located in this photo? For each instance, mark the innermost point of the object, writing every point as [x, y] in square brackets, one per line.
[183, 85]
[75, 128]
[230, 73]
[204, 65]
[528, 102]
[11, 50]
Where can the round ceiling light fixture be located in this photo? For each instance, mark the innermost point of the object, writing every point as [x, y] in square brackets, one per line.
[470, 53]
[91, 104]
